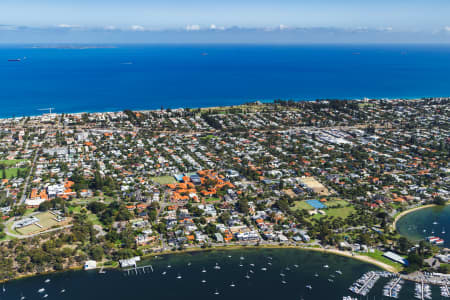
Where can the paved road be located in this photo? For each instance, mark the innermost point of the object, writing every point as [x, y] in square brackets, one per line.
[18, 236]
[25, 187]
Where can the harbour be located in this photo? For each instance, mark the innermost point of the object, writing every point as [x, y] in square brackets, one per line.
[234, 274]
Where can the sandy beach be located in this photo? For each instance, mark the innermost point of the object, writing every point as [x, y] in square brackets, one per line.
[404, 213]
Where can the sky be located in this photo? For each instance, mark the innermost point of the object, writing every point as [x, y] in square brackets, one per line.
[49, 18]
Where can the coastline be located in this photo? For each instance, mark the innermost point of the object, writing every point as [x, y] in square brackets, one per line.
[406, 212]
[238, 103]
[365, 259]
[348, 254]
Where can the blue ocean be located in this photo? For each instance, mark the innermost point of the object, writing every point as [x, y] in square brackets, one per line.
[172, 76]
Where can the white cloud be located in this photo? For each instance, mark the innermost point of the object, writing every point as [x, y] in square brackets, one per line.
[67, 26]
[215, 27]
[194, 27]
[110, 27]
[137, 28]
[447, 28]
[283, 27]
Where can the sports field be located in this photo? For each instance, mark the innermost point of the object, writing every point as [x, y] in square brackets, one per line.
[46, 221]
[164, 179]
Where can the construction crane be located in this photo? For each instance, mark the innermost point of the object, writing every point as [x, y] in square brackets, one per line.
[49, 109]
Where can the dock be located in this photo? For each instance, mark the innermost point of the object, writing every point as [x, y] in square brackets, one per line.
[139, 270]
[445, 291]
[364, 284]
[423, 291]
[394, 285]
[393, 288]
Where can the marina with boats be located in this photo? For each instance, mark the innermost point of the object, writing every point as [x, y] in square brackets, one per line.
[393, 287]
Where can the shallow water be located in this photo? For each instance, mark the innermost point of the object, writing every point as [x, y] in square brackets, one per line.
[419, 224]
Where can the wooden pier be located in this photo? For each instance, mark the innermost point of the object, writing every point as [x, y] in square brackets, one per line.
[139, 270]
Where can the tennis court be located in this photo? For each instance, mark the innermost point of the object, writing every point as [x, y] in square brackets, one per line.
[316, 204]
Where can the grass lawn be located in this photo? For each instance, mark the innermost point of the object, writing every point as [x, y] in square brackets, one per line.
[213, 199]
[333, 203]
[342, 212]
[74, 209]
[378, 255]
[12, 172]
[105, 199]
[302, 205]
[94, 219]
[29, 211]
[11, 162]
[10, 229]
[164, 179]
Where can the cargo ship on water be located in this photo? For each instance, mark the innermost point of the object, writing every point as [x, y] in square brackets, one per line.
[14, 59]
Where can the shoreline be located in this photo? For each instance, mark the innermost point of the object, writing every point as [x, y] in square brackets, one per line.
[362, 258]
[239, 103]
[406, 212]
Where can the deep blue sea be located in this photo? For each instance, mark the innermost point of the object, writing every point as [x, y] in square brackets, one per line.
[148, 77]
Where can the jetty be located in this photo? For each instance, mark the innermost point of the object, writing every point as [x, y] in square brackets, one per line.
[392, 289]
[138, 270]
[363, 285]
[444, 291]
[423, 291]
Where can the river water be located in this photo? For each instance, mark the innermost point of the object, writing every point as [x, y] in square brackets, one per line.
[180, 276]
